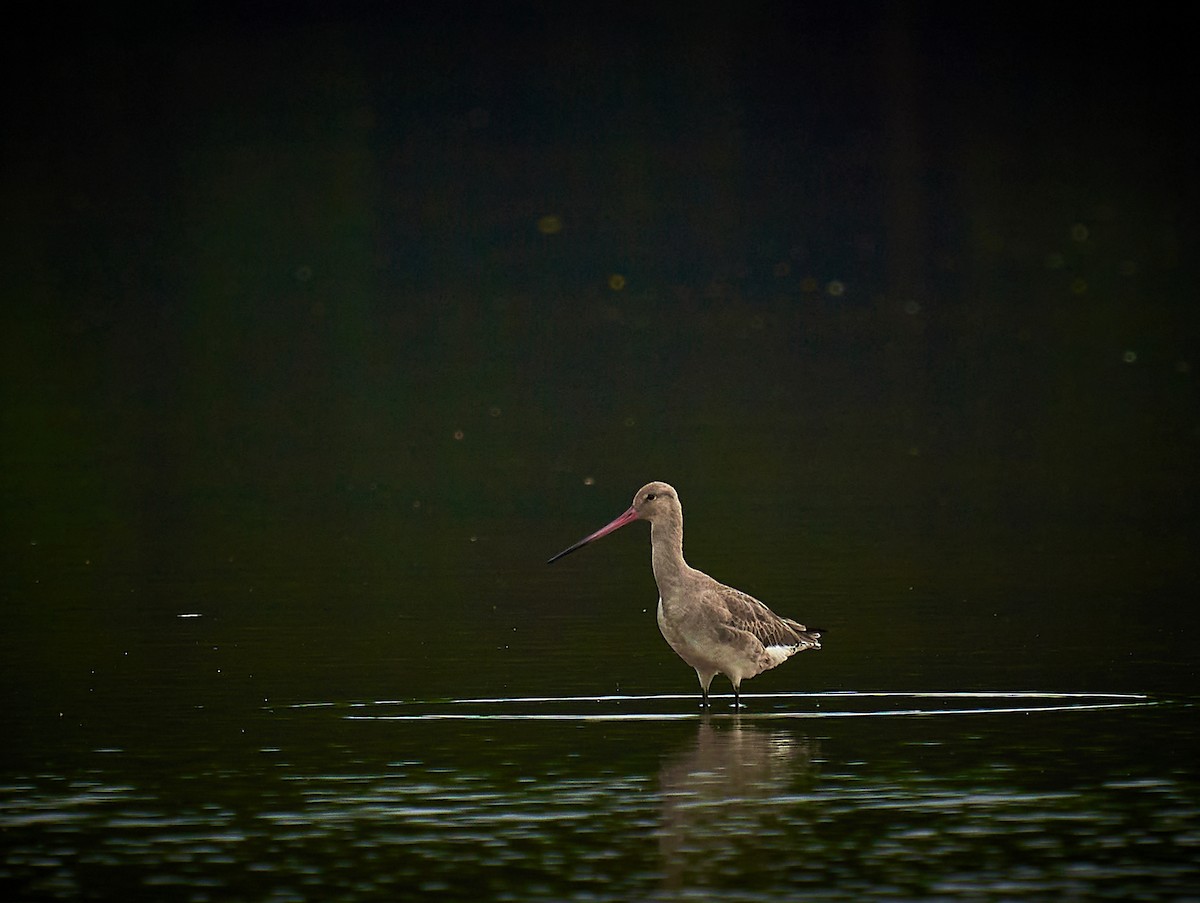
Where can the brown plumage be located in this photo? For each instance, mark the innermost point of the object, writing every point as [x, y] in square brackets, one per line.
[713, 627]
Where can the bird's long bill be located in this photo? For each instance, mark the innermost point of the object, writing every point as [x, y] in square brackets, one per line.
[627, 517]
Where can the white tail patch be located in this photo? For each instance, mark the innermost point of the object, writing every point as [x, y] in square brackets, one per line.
[778, 654]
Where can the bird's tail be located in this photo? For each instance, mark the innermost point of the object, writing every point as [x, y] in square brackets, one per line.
[810, 637]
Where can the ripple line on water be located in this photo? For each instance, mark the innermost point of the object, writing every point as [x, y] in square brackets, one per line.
[443, 709]
[1129, 698]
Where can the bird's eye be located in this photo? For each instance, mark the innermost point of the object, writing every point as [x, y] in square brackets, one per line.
[649, 496]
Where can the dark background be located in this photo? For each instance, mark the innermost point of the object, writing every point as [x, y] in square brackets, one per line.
[305, 300]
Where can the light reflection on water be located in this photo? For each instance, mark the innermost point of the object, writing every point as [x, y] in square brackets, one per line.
[848, 704]
[989, 806]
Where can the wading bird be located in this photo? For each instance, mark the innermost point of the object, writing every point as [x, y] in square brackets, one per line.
[713, 627]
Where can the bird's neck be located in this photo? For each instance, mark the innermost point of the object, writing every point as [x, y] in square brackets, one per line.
[666, 544]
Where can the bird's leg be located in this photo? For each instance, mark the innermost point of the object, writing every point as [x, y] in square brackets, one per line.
[737, 697]
[703, 696]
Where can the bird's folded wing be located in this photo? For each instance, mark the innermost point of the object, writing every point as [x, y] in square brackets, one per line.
[747, 614]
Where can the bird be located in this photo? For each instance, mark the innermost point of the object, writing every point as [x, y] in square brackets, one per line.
[713, 627]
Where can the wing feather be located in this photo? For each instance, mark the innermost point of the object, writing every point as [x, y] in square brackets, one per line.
[745, 613]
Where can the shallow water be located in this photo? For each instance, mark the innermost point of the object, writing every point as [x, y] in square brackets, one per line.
[289, 725]
[345, 801]
[288, 711]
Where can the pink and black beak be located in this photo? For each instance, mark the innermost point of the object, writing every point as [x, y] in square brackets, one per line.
[628, 517]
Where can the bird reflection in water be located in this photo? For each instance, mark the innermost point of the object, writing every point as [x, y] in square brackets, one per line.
[723, 789]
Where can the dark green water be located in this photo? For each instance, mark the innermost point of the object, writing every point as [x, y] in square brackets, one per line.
[281, 718]
[1059, 805]
[322, 332]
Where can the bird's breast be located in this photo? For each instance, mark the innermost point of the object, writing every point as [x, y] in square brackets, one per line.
[690, 629]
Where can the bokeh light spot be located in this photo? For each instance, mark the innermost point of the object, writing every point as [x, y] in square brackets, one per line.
[616, 282]
[550, 224]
